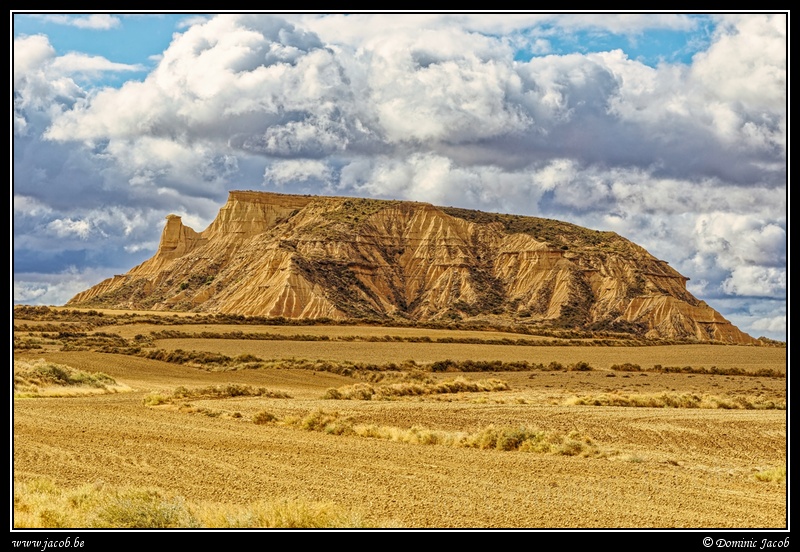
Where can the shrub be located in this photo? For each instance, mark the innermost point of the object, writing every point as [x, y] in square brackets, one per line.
[626, 367]
[31, 377]
[327, 422]
[264, 417]
[772, 475]
[156, 399]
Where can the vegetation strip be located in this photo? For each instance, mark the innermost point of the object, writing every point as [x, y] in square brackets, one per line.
[677, 400]
[503, 438]
[213, 392]
[365, 391]
[92, 318]
[713, 371]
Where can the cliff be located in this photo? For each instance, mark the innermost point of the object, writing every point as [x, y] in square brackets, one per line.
[342, 258]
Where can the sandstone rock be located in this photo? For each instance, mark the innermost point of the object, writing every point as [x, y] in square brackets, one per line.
[296, 256]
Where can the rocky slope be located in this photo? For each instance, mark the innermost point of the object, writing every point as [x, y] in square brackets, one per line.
[333, 257]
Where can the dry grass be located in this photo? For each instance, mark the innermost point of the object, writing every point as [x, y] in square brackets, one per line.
[677, 400]
[365, 391]
[772, 475]
[40, 503]
[40, 378]
[178, 399]
[225, 391]
[503, 438]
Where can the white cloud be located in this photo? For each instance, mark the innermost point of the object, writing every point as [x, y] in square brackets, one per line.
[740, 239]
[67, 227]
[94, 21]
[57, 288]
[774, 325]
[756, 281]
[630, 23]
[81, 63]
[25, 206]
[436, 179]
[214, 86]
[356, 29]
[444, 86]
[30, 52]
[746, 63]
[262, 86]
[297, 170]
[44, 85]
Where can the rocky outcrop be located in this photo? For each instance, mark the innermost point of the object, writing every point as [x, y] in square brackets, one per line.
[333, 257]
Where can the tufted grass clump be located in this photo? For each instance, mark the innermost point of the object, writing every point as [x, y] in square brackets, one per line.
[324, 421]
[772, 475]
[263, 417]
[40, 378]
[526, 439]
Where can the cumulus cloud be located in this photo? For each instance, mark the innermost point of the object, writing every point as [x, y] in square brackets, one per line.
[280, 91]
[45, 85]
[68, 227]
[775, 325]
[297, 170]
[56, 288]
[756, 281]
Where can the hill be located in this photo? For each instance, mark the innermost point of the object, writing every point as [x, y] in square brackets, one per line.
[295, 256]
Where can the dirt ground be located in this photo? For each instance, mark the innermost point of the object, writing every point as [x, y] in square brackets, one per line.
[655, 467]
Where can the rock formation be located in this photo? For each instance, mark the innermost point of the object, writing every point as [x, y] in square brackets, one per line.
[297, 256]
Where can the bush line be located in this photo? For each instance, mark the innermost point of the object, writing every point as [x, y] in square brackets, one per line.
[713, 371]
[94, 318]
[502, 438]
[677, 400]
[366, 392]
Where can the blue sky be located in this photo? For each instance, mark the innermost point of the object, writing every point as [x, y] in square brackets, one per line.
[667, 128]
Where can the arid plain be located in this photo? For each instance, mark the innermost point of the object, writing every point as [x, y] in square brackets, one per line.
[513, 431]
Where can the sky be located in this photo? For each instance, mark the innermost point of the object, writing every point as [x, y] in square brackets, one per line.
[667, 128]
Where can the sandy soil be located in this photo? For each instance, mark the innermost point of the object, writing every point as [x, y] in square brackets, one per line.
[659, 467]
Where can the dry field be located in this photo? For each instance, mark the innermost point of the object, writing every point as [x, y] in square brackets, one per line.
[714, 457]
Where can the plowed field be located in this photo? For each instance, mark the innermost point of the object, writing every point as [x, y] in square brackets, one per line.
[653, 467]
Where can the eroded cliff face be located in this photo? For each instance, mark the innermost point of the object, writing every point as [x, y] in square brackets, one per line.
[332, 257]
